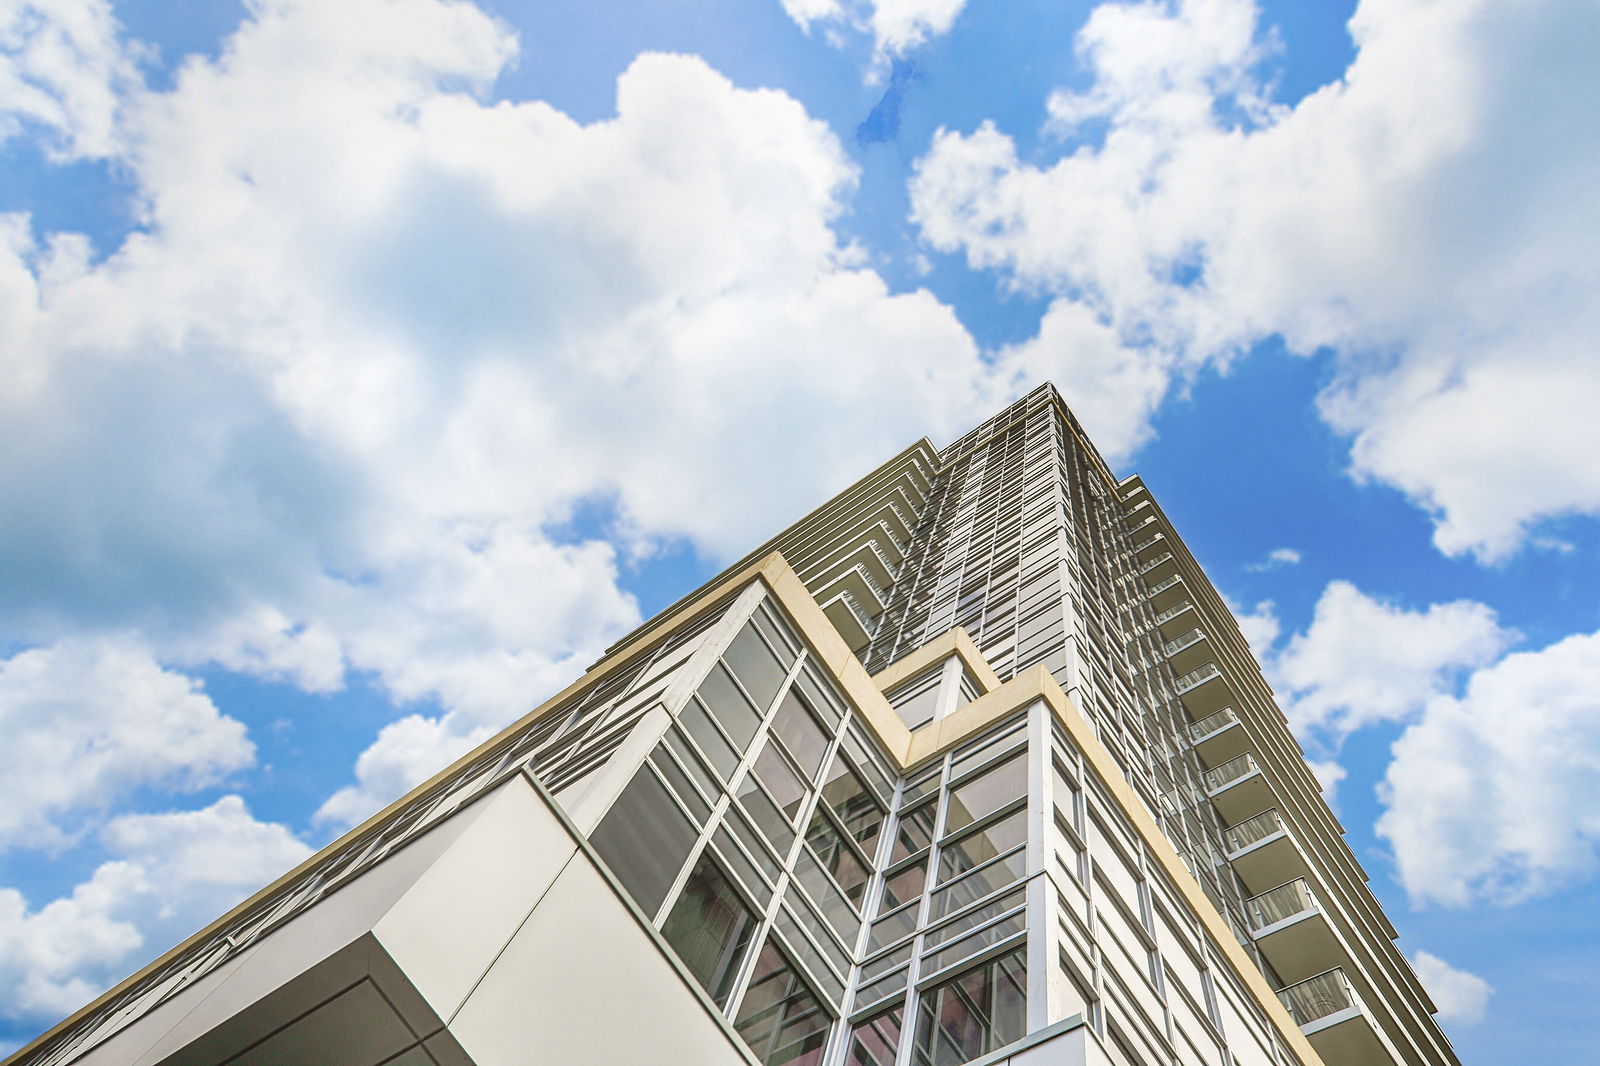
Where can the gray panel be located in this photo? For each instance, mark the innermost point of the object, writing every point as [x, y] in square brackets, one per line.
[355, 1028]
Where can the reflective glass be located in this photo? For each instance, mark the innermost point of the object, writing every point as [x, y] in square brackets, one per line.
[915, 831]
[837, 857]
[987, 793]
[956, 857]
[729, 706]
[786, 789]
[971, 1015]
[858, 811]
[705, 733]
[802, 736]
[904, 886]
[710, 927]
[781, 1019]
[644, 839]
[754, 664]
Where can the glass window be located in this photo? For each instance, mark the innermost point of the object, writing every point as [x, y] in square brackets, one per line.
[971, 1015]
[710, 927]
[781, 1019]
[915, 831]
[837, 857]
[729, 706]
[987, 793]
[802, 737]
[781, 782]
[858, 811]
[977, 848]
[711, 741]
[978, 884]
[874, 1041]
[904, 886]
[644, 839]
[754, 664]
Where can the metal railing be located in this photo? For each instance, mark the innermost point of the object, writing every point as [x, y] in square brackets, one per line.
[1220, 776]
[1318, 997]
[1212, 723]
[1252, 830]
[1276, 904]
[1153, 563]
[1198, 676]
[1163, 584]
[1177, 644]
[1173, 611]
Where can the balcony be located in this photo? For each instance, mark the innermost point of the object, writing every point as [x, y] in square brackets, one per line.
[850, 619]
[1204, 690]
[1263, 852]
[1238, 788]
[1166, 615]
[1165, 592]
[1219, 737]
[1158, 568]
[1289, 927]
[1188, 651]
[1331, 1014]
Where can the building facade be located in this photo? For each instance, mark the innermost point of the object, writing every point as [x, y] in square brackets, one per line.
[971, 764]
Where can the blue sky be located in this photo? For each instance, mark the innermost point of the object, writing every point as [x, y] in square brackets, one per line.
[370, 366]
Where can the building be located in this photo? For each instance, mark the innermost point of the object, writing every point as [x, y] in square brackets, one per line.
[971, 764]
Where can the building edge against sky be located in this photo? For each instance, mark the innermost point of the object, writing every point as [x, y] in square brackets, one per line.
[969, 764]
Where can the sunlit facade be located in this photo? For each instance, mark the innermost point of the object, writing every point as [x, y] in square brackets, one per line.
[969, 765]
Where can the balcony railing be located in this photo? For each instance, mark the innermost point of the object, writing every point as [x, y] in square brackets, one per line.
[1143, 544]
[1318, 997]
[860, 612]
[1177, 644]
[1173, 611]
[1252, 830]
[1276, 904]
[1212, 723]
[1153, 563]
[1163, 584]
[1220, 776]
[1193, 678]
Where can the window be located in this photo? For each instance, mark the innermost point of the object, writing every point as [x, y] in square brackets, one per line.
[858, 811]
[644, 839]
[710, 927]
[972, 1014]
[874, 1041]
[729, 706]
[781, 1019]
[977, 848]
[754, 664]
[802, 737]
[987, 793]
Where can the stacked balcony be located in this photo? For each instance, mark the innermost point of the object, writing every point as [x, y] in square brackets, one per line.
[1291, 930]
[1238, 788]
[1263, 852]
[1219, 737]
[1334, 1018]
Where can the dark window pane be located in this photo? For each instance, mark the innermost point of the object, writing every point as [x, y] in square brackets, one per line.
[780, 781]
[837, 857]
[975, 849]
[644, 839]
[904, 886]
[987, 793]
[781, 1018]
[858, 811]
[915, 831]
[873, 1042]
[754, 664]
[973, 1014]
[729, 706]
[802, 736]
[711, 741]
[710, 927]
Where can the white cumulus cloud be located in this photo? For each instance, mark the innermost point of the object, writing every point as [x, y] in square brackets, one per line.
[65, 69]
[1426, 217]
[88, 721]
[1460, 996]
[170, 874]
[896, 26]
[1363, 661]
[1491, 794]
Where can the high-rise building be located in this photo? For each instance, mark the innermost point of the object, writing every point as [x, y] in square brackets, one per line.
[971, 764]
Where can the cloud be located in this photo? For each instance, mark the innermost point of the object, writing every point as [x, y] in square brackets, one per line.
[406, 752]
[311, 420]
[89, 721]
[64, 73]
[1460, 996]
[1276, 559]
[171, 873]
[1424, 217]
[897, 26]
[1491, 793]
[1363, 661]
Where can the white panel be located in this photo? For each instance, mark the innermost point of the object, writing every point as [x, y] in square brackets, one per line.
[448, 928]
[580, 966]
